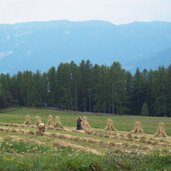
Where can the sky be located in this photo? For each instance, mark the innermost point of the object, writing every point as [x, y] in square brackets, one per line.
[115, 11]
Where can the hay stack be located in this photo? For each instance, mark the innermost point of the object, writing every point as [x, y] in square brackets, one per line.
[109, 125]
[27, 120]
[38, 120]
[138, 129]
[49, 124]
[57, 124]
[40, 128]
[160, 130]
[84, 124]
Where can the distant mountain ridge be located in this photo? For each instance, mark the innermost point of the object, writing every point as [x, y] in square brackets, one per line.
[40, 45]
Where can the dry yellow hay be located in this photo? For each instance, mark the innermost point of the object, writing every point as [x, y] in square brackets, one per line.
[57, 124]
[2, 129]
[23, 126]
[79, 139]
[30, 132]
[160, 130]
[15, 125]
[138, 129]
[84, 124]
[6, 124]
[63, 144]
[109, 125]
[134, 146]
[19, 139]
[38, 120]
[102, 133]
[50, 121]
[27, 120]
[20, 131]
[129, 137]
[13, 130]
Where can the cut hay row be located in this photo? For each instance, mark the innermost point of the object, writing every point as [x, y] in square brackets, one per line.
[17, 125]
[62, 144]
[20, 131]
[131, 136]
[64, 136]
[56, 143]
[107, 144]
[25, 140]
[99, 133]
[76, 138]
[102, 133]
[26, 126]
[55, 135]
[108, 132]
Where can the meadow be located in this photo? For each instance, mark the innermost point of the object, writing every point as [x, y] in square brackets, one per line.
[70, 150]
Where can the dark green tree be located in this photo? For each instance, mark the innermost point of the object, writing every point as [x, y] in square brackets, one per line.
[117, 83]
[144, 110]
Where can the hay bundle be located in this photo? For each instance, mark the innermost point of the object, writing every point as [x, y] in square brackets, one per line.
[109, 125]
[50, 121]
[27, 120]
[160, 130]
[138, 129]
[84, 124]
[38, 120]
[40, 128]
[57, 123]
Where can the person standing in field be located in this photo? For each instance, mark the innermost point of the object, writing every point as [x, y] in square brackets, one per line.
[79, 120]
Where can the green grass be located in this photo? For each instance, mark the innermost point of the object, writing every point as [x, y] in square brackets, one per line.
[19, 156]
[122, 123]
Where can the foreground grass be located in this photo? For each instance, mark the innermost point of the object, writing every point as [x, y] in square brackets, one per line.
[17, 156]
[122, 123]
[38, 153]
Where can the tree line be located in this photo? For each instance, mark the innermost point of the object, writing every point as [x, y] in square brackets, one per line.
[92, 88]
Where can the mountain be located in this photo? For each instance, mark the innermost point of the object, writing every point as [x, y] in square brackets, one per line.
[40, 45]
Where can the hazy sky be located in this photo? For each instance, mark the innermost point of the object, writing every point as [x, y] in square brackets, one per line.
[115, 11]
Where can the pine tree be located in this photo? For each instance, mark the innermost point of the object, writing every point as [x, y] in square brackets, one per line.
[117, 81]
[144, 110]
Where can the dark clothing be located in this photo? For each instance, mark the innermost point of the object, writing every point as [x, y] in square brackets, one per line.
[79, 123]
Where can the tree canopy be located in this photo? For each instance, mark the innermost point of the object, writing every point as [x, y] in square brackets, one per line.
[92, 88]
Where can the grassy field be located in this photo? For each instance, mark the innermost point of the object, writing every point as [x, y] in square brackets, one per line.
[71, 150]
[122, 123]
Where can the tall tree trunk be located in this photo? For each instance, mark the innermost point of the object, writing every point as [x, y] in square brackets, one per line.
[113, 108]
[89, 99]
[76, 99]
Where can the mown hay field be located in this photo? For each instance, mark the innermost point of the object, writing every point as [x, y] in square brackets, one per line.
[21, 148]
[122, 123]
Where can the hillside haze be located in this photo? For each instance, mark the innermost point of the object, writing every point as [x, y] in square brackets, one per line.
[40, 45]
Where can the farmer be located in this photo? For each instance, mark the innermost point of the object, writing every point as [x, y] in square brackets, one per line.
[79, 120]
